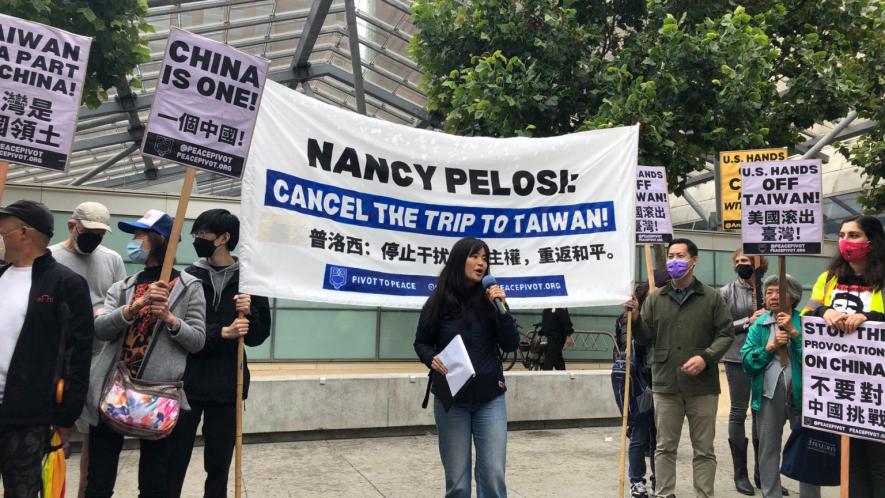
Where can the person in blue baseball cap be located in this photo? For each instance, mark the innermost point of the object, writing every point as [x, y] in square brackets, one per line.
[149, 326]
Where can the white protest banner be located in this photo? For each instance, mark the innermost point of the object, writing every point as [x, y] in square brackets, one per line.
[341, 208]
[653, 225]
[42, 70]
[782, 207]
[843, 378]
[207, 100]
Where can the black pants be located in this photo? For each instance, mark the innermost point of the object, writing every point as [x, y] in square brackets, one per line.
[553, 359]
[21, 460]
[219, 430]
[104, 454]
[866, 473]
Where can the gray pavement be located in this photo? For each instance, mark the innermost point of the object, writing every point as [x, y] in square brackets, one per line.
[563, 463]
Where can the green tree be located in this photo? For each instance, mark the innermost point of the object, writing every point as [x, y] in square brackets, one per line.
[115, 27]
[700, 76]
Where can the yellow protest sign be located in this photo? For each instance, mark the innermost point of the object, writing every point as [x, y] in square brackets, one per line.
[730, 179]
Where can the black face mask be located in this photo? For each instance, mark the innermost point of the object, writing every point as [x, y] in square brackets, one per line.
[744, 271]
[87, 242]
[205, 248]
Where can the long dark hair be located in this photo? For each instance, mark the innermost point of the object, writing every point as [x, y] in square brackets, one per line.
[874, 274]
[452, 296]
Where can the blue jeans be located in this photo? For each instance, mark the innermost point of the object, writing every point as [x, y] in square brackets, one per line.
[486, 425]
[642, 444]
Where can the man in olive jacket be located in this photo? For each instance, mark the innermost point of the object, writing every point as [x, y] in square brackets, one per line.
[690, 327]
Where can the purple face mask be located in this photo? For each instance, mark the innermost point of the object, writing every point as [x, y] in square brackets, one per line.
[677, 268]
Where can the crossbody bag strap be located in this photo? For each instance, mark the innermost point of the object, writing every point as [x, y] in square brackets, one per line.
[427, 391]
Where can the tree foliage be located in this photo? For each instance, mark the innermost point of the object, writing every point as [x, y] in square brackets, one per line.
[700, 76]
[115, 26]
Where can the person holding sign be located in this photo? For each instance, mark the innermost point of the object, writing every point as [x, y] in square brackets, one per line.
[741, 297]
[846, 295]
[478, 414]
[772, 382]
[690, 327]
[211, 374]
[149, 326]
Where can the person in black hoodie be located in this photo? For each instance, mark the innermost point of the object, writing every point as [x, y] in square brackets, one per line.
[46, 331]
[210, 376]
[459, 306]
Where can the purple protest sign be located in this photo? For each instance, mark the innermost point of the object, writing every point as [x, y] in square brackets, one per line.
[42, 70]
[206, 104]
[653, 225]
[843, 379]
[782, 207]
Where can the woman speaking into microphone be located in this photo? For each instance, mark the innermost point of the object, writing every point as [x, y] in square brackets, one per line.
[459, 305]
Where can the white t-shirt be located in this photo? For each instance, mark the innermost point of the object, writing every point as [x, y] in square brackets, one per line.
[15, 287]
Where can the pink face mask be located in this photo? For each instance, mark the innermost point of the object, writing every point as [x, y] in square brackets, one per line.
[853, 251]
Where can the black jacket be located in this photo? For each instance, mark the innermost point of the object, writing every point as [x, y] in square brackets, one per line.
[211, 374]
[481, 341]
[556, 325]
[55, 341]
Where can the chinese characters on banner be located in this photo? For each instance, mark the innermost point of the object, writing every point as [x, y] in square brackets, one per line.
[42, 70]
[843, 378]
[730, 180]
[342, 208]
[782, 207]
[207, 100]
[653, 225]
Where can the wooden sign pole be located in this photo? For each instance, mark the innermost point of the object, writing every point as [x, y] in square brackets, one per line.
[843, 471]
[626, 403]
[172, 246]
[650, 273]
[238, 463]
[4, 170]
[782, 301]
[649, 268]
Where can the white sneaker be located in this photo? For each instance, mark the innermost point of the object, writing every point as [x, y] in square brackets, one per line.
[637, 490]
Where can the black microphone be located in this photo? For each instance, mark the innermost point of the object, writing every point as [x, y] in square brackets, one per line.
[488, 281]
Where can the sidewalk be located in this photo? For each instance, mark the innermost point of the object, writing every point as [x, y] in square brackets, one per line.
[546, 463]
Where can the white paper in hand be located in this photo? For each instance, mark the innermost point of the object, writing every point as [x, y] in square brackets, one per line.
[457, 361]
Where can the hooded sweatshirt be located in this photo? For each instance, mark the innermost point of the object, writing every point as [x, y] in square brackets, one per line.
[211, 374]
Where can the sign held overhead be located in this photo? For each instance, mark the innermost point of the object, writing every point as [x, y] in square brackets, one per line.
[42, 70]
[205, 105]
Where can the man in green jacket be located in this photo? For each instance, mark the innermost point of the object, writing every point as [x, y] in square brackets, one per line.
[690, 327]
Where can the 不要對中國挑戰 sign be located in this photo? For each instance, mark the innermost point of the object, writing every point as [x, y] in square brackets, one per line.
[843, 379]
